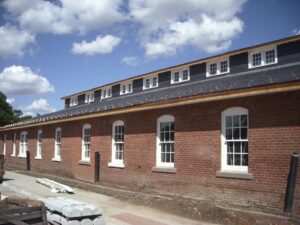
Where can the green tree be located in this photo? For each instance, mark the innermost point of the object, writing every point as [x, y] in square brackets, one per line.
[7, 113]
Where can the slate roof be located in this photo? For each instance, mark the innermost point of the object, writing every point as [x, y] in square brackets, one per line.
[220, 83]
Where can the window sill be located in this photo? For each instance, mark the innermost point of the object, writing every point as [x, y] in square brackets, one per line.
[116, 165]
[13, 155]
[56, 159]
[164, 169]
[38, 157]
[217, 74]
[22, 156]
[262, 65]
[234, 175]
[84, 162]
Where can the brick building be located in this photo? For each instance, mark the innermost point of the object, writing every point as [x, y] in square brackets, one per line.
[220, 128]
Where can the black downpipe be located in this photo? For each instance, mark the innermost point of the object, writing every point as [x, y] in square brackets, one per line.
[27, 160]
[291, 183]
[97, 167]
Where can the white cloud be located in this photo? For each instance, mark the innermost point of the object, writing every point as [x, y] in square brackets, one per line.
[167, 26]
[10, 100]
[101, 45]
[64, 16]
[19, 80]
[39, 106]
[296, 31]
[129, 60]
[14, 41]
[28, 114]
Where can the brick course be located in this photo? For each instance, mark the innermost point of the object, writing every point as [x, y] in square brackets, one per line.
[274, 133]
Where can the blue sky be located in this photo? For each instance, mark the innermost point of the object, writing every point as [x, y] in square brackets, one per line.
[55, 48]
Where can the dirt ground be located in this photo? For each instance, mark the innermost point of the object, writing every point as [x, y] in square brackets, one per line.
[116, 212]
[123, 207]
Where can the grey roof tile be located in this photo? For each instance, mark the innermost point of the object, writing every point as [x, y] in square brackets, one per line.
[221, 83]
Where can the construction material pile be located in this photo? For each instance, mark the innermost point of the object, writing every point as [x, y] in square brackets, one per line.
[72, 212]
[22, 211]
[55, 186]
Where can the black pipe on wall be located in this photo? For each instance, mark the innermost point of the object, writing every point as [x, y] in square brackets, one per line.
[291, 183]
[27, 160]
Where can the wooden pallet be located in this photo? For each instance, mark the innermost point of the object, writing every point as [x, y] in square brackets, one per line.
[18, 211]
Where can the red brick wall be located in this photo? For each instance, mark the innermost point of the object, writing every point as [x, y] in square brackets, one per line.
[274, 133]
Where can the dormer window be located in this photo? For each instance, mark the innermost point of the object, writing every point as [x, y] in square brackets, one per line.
[217, 67]
[74, 101]
[213, 69]
[126, 88]
[106, 93]
[150, 82]
[263, 57]
[224, 66]
[89, 97]
[180, 76]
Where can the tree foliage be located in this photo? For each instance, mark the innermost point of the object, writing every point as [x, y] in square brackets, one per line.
[7, 113]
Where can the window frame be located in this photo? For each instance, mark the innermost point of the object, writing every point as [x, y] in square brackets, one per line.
[218, 63]
[108, 92]
[89, 97]
[262, 51]
[126, 85]
[180, 71]
[233, 111]
[159, 163]
[4, 145]
[74, 101]
[84, 143]
[57, 145]
[23, 144]
[39, 145]
[150, 78]
[117, 162]
[14, 148]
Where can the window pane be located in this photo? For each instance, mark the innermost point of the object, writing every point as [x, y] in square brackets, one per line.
[172, 126]
[185, 75]
[256, 59]
[230, 147]
[237, 147]
[167, 136]
[228, 121]
[154, 81]
[237, 159]
[162, 127]
[224, 66]
[147, 83]
[245, 159]
[172, 136]
[163, 157]
[162, 136]
[229, 134]
[236, 121]
[213, 68]
[236, 133]
[243, 133]
[229, 159]
[270, 56]
[176, 76]
[245, 147]
[244, 121]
